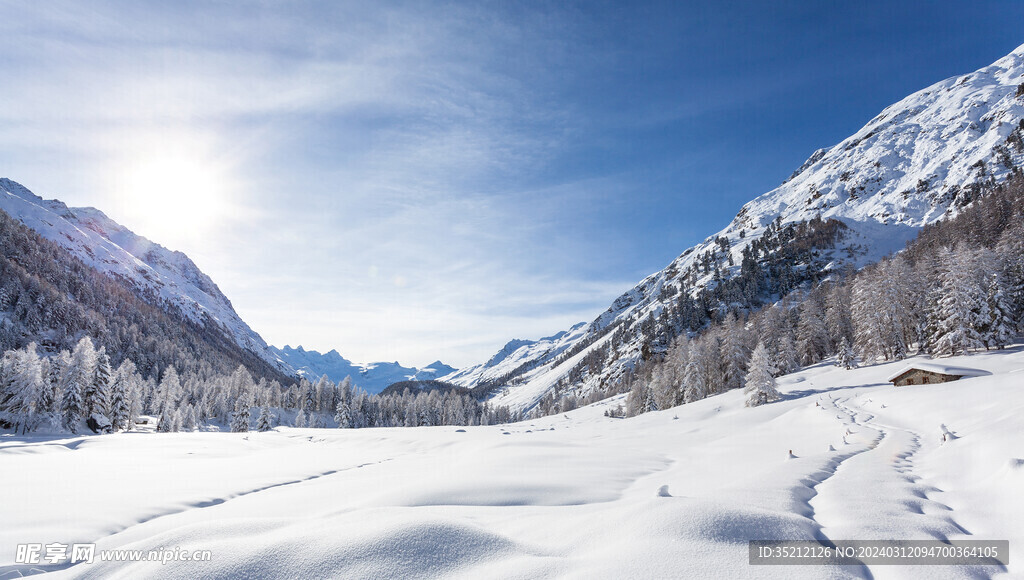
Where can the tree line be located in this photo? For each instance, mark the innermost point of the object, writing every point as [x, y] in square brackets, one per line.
[61, 393]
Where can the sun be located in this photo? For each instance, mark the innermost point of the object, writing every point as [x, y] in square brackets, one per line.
[173, 197]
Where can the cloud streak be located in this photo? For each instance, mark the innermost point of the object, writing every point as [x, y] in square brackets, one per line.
[383, 163]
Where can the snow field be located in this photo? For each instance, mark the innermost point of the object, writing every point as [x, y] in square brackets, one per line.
[669, 494]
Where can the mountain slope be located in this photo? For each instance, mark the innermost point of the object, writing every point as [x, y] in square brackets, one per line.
[372, 377]
[50, 297]
[162, 277]
[515, 358]
[920, 160]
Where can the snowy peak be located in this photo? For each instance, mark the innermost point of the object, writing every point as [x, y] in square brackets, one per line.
[438, 369]
[509, 348]
[161, 275]
[372, 377]
[913, 162]
[516, 357]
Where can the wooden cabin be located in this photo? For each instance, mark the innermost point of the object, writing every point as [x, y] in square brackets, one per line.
[923, 373]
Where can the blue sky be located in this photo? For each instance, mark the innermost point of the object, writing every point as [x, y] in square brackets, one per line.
[414, 181]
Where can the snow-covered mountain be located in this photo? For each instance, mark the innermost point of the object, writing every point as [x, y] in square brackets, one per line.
[920, 160]
[162, 276]
[514, 355]
[372, 377]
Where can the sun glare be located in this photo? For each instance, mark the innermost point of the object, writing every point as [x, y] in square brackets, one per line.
[173, 197]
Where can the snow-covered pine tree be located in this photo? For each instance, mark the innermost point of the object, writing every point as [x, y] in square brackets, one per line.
[300, 419]
[189, 418]
[361, 415]
[345, 390]
[240, 418]
[120, 403]
[998, 331]
[837, 313]
[240, 383]
[308, 397]
[786, 360]
[929, 330]
[695, 385]
[845, 356]
[134, 389]
[265, 420]
[1010, 249]
[883, 312]
[812, 339]
[636, 401]
[165, 423]
[21, 389]
[48, 395]
[734, 352]
[776, 335]
[97, 392]
[343, 414]
[760, 382]
[83, 364]
[962, 310]
[650, 404]
[71, 405]
[661, 387]
[169, 391]
[322, 394]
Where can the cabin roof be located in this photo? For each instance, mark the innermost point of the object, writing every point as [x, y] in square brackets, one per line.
[941, 369]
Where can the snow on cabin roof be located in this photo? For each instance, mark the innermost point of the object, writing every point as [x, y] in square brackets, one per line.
[940, 369]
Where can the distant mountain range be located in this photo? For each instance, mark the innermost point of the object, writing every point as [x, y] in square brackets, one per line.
[372, 377]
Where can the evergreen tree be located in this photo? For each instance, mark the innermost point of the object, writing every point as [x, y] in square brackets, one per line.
[48, 395]
[78, 378]
[812, 339]
[169, 391]
[998, 329]
[345, 390]
[309, 397]
[343, 414]
[837, 313]
[97, 392]
[120, 399]
[322, 394]
[71, 406]
[882, 311]
[1011, 251]
[189, 420]
[21, 389]
[165, 423]
[760, 382]
[636, 401]
[240, 418]
[845, 357]
[786, 356]
[264, 422]
[734, 353]
[695, 385]
[962, 310]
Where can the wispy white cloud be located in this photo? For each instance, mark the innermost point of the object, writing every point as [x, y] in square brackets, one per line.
[384, 163]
